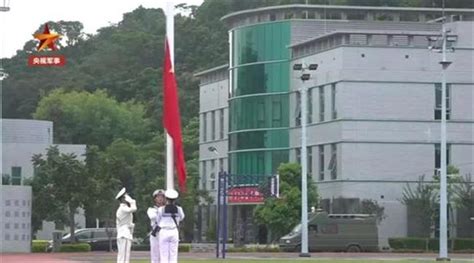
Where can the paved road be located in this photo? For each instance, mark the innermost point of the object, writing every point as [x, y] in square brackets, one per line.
[96, 257]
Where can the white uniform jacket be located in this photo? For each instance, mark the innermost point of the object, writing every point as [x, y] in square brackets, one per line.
[125, 223]
[165, 221]
[152, 213]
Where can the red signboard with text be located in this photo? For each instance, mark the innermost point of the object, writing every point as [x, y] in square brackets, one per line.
[245, 195]
[51, 60]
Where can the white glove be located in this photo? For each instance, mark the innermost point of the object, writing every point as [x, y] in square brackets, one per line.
[128, 198]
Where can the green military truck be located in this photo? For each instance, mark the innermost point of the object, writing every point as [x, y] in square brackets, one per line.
[335, 232]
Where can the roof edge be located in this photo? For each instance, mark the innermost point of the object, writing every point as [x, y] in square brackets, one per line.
[388, 8]
[207, 71]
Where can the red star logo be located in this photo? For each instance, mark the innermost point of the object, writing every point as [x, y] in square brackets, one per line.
[46, 39]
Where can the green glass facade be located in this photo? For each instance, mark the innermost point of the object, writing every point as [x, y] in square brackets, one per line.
[259, 106]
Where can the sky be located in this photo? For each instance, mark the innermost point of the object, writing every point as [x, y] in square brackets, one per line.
[25, 16]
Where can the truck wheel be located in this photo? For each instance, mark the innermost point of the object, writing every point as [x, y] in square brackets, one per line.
[353, 249]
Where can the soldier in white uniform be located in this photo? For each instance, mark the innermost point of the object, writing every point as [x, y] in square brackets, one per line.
[159, 200]
[168, 218]
[125, 225]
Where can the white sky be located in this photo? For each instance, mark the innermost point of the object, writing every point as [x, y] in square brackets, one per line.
[25, 16]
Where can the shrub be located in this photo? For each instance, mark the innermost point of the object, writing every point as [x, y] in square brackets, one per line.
[146, 247]
[39, 246]
[184, 248]
[408, 243]
[411, 244]
[254, 249]
[433, 244]
[141, 247]
[79, 247]
[464, 244]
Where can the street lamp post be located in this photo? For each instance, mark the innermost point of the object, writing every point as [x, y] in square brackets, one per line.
[304, 165]
[4, 7]
[443, 202]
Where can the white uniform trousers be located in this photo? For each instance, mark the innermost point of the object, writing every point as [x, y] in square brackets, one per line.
[124, 246]
[169, 240]
[154, 249]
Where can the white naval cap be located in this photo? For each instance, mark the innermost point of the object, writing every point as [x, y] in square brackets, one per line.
[171, 194]
[158, 192]
[121, 193]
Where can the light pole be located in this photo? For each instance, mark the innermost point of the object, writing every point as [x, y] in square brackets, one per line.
[304, 165]
[4, 7]
[443, 202]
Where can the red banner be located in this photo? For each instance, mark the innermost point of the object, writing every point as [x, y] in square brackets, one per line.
[245, 195]
[46, 61]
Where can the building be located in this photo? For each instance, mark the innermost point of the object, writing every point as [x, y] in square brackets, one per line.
[373, 104]
[21, 139]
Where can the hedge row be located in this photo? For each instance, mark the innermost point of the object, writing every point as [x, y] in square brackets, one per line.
[39, 246]
[414, 244]
[253, 249]
[146, 247]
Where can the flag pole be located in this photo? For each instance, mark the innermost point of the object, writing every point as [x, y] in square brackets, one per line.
[169, 141]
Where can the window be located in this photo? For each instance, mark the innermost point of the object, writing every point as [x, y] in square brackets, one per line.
[204, 127]
[276, 114]
[409, 17]
[298, 155]
[333, 101]
[321, 163]
[5, 179]
[321, 103]
[260, 114]
[333, 163]
[100, 235]
[329, 229]
[204, 176]
[355, 16]
[84, 235]
[221, 164]
[221, 121]
[309, 153]
[298, 109]
[213, 125]
[438, 95]
[438, 155]
[16, 175]
[310, 106]
[213, 174]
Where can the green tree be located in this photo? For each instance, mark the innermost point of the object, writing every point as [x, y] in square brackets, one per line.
[421, 200]
[60, 188]
[100, 203]
[92, 118]
[371, 207]
[282, 214]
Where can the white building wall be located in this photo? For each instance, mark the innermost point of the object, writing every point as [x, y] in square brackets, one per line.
[15, 218]
[21, 140]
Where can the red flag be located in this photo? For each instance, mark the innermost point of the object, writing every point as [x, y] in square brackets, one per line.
[171, 116]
